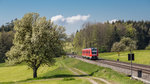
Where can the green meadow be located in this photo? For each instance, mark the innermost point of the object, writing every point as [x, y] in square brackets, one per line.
[77, 81]
[141, 56]
[22, 74]
[59, 74]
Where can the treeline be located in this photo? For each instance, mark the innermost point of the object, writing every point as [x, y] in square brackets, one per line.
[104, 35]
[7, 33]
[6, 38]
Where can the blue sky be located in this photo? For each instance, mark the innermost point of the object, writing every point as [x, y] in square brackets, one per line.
[73, 13]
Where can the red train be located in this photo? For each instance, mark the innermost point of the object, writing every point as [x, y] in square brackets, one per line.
[90, 53]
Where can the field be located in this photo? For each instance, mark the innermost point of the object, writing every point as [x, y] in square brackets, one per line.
[22, 74]
[59, 74]
[141, 56]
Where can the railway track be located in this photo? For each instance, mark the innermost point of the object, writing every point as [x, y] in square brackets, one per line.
[135, 67]
[126, 66]
[122, 67]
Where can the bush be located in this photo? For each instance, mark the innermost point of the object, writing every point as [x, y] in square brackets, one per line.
[125, 44]
[129, 43]
[118, 46]
[148, 47]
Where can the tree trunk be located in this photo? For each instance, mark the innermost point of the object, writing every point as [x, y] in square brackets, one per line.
[34, 72]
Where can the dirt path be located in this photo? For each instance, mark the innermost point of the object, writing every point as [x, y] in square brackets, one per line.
[103, 80]
[79, 72]
[76, 73]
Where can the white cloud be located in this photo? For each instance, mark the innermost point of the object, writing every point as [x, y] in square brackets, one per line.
[114, 20]
[57, 18]
[77, 18]
[72, 19]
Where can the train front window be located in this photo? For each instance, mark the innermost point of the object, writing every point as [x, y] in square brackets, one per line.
[94, 52]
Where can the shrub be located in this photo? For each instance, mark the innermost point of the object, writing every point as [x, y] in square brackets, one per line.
[117, 47]
[125, 44]
[129, 43]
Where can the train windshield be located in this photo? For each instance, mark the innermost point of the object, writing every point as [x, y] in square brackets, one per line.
[94, 51]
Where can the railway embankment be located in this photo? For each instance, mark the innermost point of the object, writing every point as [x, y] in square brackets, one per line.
[123, 67]
[97, 71]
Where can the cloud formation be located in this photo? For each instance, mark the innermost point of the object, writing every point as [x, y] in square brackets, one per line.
[72, 19]
[114, 20]
[57, 18]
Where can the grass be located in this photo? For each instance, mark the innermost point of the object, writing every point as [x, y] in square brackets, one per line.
[141, 56]
[99, 82]
[76, 81]
[22, 74]
[102, 72]
[60, 71]
[14, 73]
[2, 64]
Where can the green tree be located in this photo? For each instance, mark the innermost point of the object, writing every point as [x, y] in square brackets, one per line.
[129, 43]
[77, 42]
[6, 39]
[36, 42]
[1, 48]
[130, 31]
[104, 35]
[113, 37]
[9, 26]
[125, 44]
[118, 46]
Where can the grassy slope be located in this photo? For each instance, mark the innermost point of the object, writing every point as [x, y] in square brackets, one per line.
[141, 56]
[77, 81]
[22, 74]
[102, 72]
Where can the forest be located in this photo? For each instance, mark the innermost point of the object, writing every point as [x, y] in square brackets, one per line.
[6, 38]
[106, 36]
[115, 36]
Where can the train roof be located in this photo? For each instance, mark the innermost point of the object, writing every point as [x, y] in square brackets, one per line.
[89, 48]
